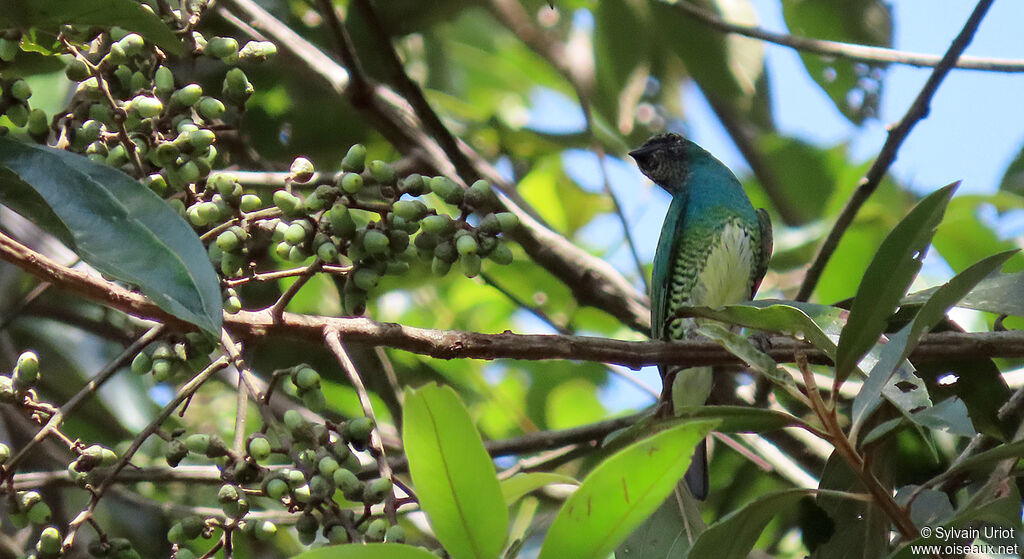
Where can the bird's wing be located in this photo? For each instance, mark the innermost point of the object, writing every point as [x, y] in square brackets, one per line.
[668, 246]
[764, 222]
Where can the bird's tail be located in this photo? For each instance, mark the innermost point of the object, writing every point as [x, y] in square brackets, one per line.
[697, 475]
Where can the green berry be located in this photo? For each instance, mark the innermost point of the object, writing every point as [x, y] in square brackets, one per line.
[39, 513]
[410, 210]
[77, 71]
[38, 124]
[250, 203]
[470, 265]
[351, 183]
[358, 430]
[236, 86]
[228, 241]
[8, 49]
[5, 453]
[395, 534]
[232, 304]
[296, 233]
[263, 530]
[297, 254]
[490, 225]
[18, 114]
[466, 244]
[20, 90]
[257, 51]
[327, 466]
[187, 96]
[49, 541]
[347, 481]
[479, 194]
[376, 491]
[210, 108]
[163, 81]
[501, 254]
[286, 202]
[438, 224]
[440, 267]
[222, 47]
[376, 242]
[305, 378]
[259, 448]
[398, 241]
[192, 527]
[26, 372]
[355, 160]
[132, 44]
[198, 443]
[276, 488]
[508, 221]
[301, 170]
[382, 172]
[365, 279]
[447, 252]
[327, 251]
[201, 139]
[353, 300]
[341, 221]
[376, 530]
[413, 185]
[294, 420]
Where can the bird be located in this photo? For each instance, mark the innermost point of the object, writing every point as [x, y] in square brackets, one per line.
[713, 251]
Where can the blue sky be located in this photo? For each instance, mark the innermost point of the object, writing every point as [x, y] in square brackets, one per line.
[974, 130]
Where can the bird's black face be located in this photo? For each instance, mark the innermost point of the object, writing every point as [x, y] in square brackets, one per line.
[662, 159]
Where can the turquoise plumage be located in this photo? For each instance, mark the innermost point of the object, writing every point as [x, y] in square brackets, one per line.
[713, 251]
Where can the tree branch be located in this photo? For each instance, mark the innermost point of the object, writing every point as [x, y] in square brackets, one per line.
[918, 110]
[454, 344]
[847, 51]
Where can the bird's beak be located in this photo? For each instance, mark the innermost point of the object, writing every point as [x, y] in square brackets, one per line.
[639, 152]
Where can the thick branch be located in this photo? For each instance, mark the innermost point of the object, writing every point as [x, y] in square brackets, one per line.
[454, 344]
[918, 110]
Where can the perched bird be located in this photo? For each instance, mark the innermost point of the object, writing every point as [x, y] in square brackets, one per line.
[713, 251]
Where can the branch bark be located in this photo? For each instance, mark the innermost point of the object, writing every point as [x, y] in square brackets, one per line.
[454, 344]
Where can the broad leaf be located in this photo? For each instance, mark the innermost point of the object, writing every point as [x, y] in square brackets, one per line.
[903, 343]
[1000, 294]
[861, 529]
[854, 87]
[887, 278]
[367, 551]
[452, 473]
[662, 535]
[740, 419]
[116, 225]
[51, 14]
[785, 317]
[621, 493]
[743, 348]
[734, 536]
[515, 487]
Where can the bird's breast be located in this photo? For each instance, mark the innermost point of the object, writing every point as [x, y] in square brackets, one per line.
[711, 269]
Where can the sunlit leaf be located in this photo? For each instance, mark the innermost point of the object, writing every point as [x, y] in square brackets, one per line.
[367, 551]
[621, 492]
[453, 475]
[734, 535]
[115, 224]
[515, 487]
[888, 276]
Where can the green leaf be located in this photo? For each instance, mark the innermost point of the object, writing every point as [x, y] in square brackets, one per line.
[1013, 177]
[116, 225]
[743, 348]
[367, 551]
[515, 487]
[51, 14]
[1000, 294]
[861, 529]
[734, 536]
[727, 67]
[740, 419]
[989, 458]
[453, 474]
[903, 343]
[662, 535]
[621, 492]
[887, 279]
[785, 317]
[866, 22]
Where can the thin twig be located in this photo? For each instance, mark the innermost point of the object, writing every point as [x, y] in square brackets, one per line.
[333, 339]
[917, 111]
[847, 51]
[90, 388]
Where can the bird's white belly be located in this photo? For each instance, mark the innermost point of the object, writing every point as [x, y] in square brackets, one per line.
[725, 277]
